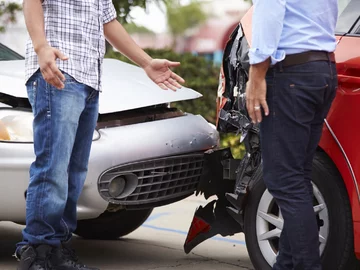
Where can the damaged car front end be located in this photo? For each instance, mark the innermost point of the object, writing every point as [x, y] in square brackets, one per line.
[240, 201]
[225, 177]
[145, 153]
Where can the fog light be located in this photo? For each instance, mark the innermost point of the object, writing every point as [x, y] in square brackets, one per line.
[117, 186]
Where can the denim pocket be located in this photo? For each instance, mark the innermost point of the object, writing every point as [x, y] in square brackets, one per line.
[307, 100]
[69, 79]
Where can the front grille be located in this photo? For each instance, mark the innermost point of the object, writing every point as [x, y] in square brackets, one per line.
[161, 179]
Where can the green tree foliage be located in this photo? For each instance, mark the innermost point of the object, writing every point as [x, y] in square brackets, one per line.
[134, 28]
[7, 14]
[183, 17]
[123, 7]
[202, 76]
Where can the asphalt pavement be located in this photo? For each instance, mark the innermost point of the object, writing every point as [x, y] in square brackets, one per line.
[157, 245]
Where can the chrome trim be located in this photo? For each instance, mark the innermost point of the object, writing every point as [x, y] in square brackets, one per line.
[345, 156]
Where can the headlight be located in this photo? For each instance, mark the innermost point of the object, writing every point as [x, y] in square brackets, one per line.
[16, 126]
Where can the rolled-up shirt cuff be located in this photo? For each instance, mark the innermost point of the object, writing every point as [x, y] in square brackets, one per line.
[109, 14]
[256, 57]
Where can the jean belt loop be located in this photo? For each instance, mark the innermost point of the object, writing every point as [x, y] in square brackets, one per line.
[281, 67]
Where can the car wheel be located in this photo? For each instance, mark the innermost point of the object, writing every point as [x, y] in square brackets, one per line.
[263, 220]
[112, 225]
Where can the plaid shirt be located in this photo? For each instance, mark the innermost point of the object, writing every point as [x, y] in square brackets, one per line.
[75, 27]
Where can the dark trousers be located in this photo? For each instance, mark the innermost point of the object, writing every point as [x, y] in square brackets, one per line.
[299, 98]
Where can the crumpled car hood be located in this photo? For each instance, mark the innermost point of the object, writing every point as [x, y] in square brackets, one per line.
[125, 87]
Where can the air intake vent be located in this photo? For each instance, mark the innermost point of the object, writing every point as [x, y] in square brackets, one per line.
[158, 180]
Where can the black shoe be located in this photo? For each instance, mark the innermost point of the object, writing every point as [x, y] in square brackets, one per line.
[34, 258]
[64, 258]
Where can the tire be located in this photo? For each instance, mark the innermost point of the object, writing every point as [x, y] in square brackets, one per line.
[112, 225]
[337, 250]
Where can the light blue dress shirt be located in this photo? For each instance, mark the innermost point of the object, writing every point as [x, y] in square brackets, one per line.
[282, 27]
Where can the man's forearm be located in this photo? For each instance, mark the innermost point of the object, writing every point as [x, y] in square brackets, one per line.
[34, 19]
[258, 71]
[121, 40]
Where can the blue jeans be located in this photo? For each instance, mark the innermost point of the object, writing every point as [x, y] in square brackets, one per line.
[299, 98]
[64, 123]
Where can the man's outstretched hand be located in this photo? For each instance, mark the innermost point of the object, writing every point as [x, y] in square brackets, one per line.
[159, 71]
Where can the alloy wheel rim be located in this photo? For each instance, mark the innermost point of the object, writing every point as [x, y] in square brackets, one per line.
[269, 224]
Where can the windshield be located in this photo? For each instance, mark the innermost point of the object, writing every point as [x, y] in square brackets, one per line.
[7, 54]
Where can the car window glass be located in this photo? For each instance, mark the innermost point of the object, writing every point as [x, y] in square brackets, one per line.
[7, 54]
[357, 29]
[348, 15]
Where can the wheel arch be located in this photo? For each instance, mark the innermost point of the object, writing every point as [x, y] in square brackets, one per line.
[333, 150]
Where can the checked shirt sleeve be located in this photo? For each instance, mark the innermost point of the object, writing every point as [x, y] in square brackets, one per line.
[109, 12]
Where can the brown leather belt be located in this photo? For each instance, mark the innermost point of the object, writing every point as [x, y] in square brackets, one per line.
[305, 57]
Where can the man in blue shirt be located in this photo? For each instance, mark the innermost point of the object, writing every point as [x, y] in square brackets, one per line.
[292, 83]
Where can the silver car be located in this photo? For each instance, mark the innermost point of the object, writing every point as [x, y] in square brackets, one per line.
[145, 153]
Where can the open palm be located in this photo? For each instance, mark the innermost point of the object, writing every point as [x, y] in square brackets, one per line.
[159, 71]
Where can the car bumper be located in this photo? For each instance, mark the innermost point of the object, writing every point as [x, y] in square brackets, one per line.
[117, 146]
[141, 143]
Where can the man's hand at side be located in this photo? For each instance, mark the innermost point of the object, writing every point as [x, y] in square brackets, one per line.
[34, 19]
[47, 60]
[158, 70]
[256, 91]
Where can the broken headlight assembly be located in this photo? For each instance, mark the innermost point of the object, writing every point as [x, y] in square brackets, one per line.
[16, 126]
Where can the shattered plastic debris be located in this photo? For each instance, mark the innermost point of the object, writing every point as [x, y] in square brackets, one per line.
[234, 116]
[239, 120]
[234, 50]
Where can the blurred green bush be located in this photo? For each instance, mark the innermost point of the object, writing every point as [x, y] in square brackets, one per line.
[201, 75]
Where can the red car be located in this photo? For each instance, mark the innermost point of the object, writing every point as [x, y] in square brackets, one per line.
[243, 204]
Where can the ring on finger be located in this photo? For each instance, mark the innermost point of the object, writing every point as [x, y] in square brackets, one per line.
[256, 108]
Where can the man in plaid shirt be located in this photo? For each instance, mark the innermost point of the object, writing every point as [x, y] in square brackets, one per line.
[63, 77]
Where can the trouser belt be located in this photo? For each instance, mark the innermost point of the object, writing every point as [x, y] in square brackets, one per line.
[305, 57]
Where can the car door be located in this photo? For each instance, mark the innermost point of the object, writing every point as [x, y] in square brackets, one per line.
[342, 129]
[348, 50]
